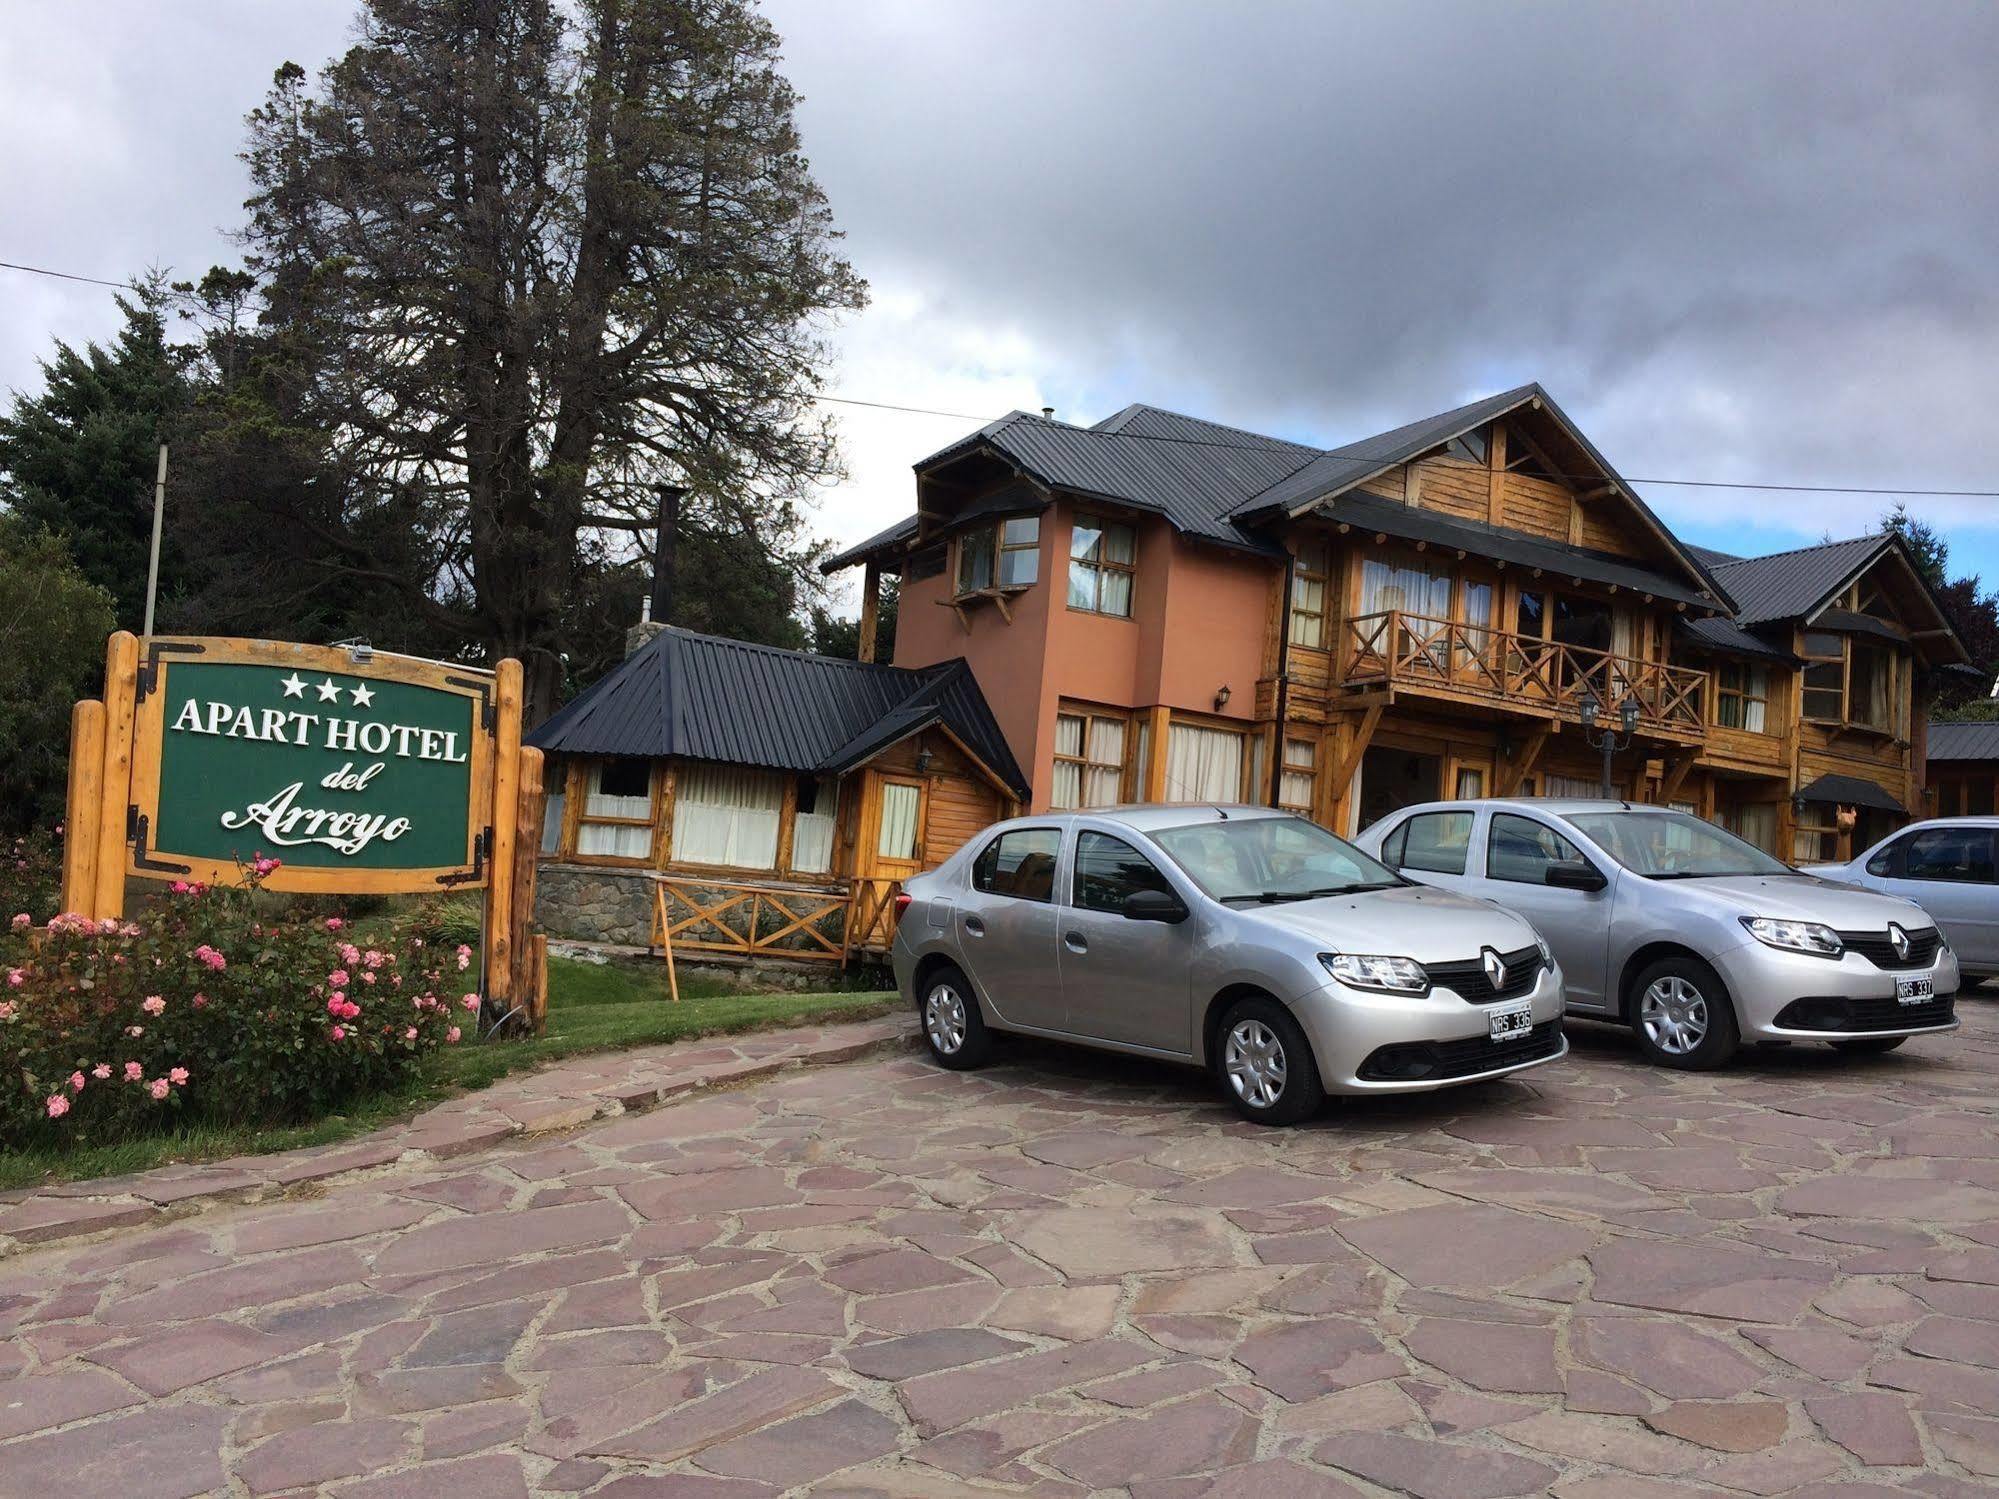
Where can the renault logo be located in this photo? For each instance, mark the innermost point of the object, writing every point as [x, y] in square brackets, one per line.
[1495, 966]
[1899, 940]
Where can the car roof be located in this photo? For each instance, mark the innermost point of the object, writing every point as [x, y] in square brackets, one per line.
[1560, 806]
[1146, 817]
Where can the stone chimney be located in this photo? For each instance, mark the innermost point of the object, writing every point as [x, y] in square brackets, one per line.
[642, 634]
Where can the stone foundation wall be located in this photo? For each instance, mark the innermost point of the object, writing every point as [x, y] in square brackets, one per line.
[593, 905]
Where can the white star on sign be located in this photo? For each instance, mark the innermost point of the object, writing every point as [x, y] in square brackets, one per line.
[362, 696]
[329, 691]
[293, 685]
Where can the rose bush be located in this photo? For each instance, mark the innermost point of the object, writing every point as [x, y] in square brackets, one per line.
[211, 1008]
[31, 872]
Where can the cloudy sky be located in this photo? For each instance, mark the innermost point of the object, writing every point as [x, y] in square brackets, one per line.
[1735, 242]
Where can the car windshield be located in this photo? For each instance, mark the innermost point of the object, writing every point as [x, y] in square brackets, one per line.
[1271, 859]
[1673, 845]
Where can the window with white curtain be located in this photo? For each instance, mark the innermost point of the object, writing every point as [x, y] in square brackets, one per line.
[1089, 761]
[900, 805]
[1299, 781]
[1578, 786]
[551, 818]
[1102, 558]
[727, 814]
[1203, 764]
[1413, 590]
[813, 824]
[616, 822]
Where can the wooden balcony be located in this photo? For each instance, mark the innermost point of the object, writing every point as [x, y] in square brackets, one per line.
[1448, 659]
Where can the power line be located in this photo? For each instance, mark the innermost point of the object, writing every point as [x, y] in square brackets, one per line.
[1313, 455]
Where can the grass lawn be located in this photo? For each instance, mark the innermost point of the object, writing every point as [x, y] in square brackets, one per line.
[591, 1007]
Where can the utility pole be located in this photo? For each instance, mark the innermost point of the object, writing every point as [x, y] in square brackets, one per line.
[153, 558]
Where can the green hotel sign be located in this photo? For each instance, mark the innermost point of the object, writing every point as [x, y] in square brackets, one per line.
[358, 772]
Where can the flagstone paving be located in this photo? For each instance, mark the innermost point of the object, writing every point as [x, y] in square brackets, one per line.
[1067, 1275]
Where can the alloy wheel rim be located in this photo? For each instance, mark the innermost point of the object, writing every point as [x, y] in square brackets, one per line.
[1254, 1060]
[944, 1019]
[1674, 1015]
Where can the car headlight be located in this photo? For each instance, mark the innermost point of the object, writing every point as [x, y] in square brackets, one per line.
[1386, 975]
[1795, 936]
[1547, 952]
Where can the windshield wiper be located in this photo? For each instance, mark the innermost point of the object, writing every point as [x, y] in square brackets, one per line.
[1271, 897]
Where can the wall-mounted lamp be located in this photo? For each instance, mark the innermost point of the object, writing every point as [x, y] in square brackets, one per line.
[1222, 698]
[1797, 804]
[359, 651]
[923, 759]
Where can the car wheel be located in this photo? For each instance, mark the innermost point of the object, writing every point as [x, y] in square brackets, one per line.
[1265, 1063]
[1869, 1046]
[953, 1028]
[1682, 1015]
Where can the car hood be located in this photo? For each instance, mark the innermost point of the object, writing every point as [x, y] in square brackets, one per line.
[1410, 921]
[1844, 908]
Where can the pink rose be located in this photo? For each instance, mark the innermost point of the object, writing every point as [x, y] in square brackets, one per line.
[101, 1071]
[76, 1082]
[334, 1001]
[22, 919]
[464, 957]
[338, 1033]
[153, 1005]
[58, 1106]
[209, 956]
[334, 923]
[16, 977]
[135, 1031]
[410, 1034]
[180, 887]
[134, 1072]
[200, 1001]
[177, 1076]
[158, 1087]
[470, 1001]
[338, 978]
[452, 1034]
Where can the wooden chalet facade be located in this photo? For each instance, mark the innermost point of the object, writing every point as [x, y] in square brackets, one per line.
[754, 802]
[1162, 608]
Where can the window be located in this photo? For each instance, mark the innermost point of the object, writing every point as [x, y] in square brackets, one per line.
[1870, 671]
[1089, 761]
[1848, 680]
[813, 823]
[1742, 697]
[617, 811]
[1519, 850]
[727, 814]
[1531, 616]
[1573, 786]
[1102, 557]
[1469, 783]
[1109, 869]
[1019, 863]
[1478, 615]
[1297, 783]
[1753, 822]
[1270, 858]
[1308, 598]
[1815, 836]
[551, 816]
[1433, 842]
[902, 805]
[1019, 551]
[1203, 764]
[1672, 845]
[1825, 677]
[1957, 855]
[975, 560]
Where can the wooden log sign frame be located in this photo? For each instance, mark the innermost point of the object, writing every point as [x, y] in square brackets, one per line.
[362, 772]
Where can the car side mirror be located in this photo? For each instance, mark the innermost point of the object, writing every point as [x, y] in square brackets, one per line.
[1574, 874]
[1154, 905]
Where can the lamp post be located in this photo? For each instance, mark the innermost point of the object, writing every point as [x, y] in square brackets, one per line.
[1608, 739]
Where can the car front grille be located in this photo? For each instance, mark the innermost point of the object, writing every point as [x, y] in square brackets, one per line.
[1878, 950]
[1468, 981]
[1837, 1013]
[1440, 1061]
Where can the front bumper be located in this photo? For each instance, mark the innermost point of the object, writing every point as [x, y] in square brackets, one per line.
[1347, 1027]
[1782, 996]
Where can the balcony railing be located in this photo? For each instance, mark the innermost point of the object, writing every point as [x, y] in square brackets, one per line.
[1414, 650]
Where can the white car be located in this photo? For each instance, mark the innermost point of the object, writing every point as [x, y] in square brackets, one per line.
[1948, 867]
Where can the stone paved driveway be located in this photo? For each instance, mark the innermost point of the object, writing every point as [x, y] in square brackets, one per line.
[1072, 1276]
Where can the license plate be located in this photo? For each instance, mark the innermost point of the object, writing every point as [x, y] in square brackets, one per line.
[1510, 1022]
[1914, 991]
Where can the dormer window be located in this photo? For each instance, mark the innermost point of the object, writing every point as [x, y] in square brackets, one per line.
[1007, 555]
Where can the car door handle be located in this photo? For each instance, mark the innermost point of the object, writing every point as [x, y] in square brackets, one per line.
[974, 926]
[1075, 942]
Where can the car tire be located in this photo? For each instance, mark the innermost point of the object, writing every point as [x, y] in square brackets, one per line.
[1265, 1065]
[1869, 1046]
[953, 1028]
[1682, 1015]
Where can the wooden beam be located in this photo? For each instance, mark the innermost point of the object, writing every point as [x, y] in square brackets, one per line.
[1495, 475]
[871, 581]
[503, 818]
[1155, 765]
[1513, 773]
[1675, 777]
[1349, 760]
[121, 685]
[85, 806]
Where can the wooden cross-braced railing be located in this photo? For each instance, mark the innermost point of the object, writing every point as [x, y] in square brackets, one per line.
[697, 914]
[1400, 649]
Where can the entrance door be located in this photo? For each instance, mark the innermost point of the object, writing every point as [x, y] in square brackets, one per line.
[899, 816]
[1391, 779]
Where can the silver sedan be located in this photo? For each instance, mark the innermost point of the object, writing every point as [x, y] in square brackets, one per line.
[1694, 938]
[1247, 941]
[1948, 867]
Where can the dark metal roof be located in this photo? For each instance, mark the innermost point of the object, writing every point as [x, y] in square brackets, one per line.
[1368, 512]
[701, 697]
[882, 541]
[1963, 741]
[1710, 558]
[1716, 632]
[1851, 791]
[1790, 585]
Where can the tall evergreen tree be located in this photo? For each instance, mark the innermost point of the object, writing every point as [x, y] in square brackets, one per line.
[562, 255]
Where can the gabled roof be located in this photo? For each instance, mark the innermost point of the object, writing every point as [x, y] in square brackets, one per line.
[1717, 632]
[1963, 741]
[701, 697]
[1790, 585]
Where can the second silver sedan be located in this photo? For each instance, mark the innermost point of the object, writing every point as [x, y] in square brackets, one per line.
[1245, 940]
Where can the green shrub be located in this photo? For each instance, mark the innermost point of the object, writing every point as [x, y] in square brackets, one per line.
[219, 1007]
[31, 874]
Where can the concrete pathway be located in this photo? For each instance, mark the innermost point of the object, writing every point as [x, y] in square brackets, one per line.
[1070, 1275]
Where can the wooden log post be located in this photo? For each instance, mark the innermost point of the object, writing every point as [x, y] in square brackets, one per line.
[84, 807]
[527, 989]
[505, 824]
[121, 681]
[871, 588]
